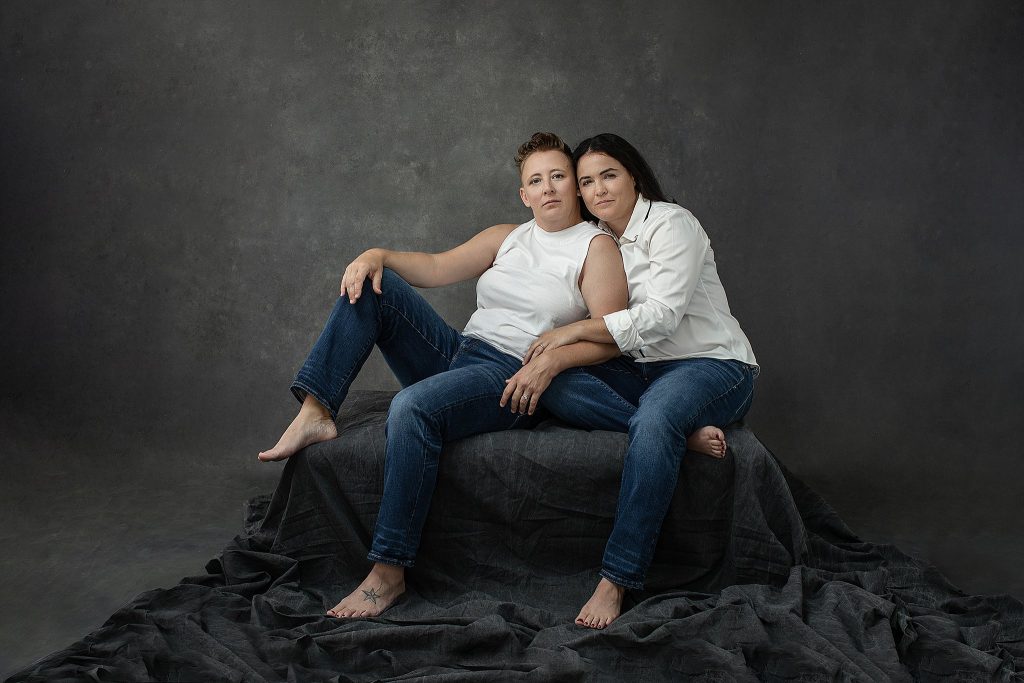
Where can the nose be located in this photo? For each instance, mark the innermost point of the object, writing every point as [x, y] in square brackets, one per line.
[549, 187]
[599, 188]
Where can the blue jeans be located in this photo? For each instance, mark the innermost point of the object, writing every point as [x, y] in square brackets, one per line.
[659, 404]
[452, 385]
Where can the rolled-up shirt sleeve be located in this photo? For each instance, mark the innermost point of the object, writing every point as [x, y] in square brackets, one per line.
[676, 245]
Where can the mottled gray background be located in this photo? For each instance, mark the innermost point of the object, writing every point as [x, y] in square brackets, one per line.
[182, 184]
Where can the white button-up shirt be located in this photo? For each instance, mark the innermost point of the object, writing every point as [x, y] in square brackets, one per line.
[677, 305]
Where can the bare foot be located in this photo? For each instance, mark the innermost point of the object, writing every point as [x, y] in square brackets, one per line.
[603, 607]
[707, 440]
[313, 424]
[376, 593]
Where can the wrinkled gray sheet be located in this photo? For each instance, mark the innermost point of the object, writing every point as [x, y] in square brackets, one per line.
[756, 578]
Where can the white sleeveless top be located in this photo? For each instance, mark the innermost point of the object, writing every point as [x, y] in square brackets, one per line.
[532, 287]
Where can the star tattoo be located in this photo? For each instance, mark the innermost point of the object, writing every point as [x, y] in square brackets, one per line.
[371, 595]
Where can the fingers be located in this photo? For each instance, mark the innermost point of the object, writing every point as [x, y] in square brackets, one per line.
[530, 351]
[519, 401]
[536, 348]
[534, 401]
[522, 394]
[510, 387]
[378, 275]
[354, 277]
[355, 288]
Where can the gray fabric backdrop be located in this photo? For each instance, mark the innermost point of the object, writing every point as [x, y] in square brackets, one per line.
[182, 183]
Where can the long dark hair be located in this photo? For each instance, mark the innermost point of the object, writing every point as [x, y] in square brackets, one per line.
[626, 154]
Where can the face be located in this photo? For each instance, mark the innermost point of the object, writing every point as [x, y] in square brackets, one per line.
[607, 188]
[549, 188]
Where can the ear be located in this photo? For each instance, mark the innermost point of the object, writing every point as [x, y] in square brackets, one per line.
[522, 195]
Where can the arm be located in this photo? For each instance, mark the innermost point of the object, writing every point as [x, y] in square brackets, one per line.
[676, 246]
[468, 260]
[604, 289]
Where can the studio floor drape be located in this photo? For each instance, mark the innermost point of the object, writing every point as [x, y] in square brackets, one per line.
[755, 578]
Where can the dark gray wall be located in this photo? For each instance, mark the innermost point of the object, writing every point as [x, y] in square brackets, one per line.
[183, 183]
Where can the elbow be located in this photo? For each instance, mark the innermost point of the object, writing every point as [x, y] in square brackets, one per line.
[664, 321]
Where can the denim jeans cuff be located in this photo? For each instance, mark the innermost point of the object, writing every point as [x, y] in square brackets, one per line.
[377, 557]
[618, 580]
[300, 388]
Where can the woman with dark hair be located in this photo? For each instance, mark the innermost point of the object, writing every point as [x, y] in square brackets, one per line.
[687, 361]
[551, 270]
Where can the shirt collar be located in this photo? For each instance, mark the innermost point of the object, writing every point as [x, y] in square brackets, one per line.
[636, 220]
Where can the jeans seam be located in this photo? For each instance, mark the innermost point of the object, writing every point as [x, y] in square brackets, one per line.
[463, 345]
[617, 396]
[750, 394]
[721, 396]
[364, 351]
[415, 327]
[419, 487]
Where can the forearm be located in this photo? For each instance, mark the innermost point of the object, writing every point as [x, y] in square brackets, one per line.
[580, 354]
[593, 330]
[417, 268]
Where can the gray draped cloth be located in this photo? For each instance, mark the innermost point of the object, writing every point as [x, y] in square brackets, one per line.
[755, 578]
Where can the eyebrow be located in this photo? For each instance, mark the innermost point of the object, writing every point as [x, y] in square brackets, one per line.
[550, 170]
[583, 177]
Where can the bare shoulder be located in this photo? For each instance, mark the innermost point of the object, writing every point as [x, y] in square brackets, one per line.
[502, 229]
[496, 234]
[603, 246]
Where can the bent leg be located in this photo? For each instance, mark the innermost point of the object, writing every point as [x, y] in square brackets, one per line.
[682, 396]
[449, 406]
[415, 341]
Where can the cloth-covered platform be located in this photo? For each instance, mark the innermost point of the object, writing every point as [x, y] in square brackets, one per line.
[755, 578]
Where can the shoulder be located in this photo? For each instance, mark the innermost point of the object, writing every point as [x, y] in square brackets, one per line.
[601, 244]
[496, 235]
[666, 216]
[587, 231]
[501, 230]
[671, 212]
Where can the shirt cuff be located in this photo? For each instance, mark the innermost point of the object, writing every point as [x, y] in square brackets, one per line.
[620, 326]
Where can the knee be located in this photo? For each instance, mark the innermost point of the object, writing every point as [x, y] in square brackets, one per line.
[657, 432]
[407, 409]
[390, 280]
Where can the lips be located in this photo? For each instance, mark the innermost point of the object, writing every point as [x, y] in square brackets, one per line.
[552, 201]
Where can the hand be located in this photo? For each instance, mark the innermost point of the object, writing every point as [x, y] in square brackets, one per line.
[552, 339]
[523, 390]
[369, 264]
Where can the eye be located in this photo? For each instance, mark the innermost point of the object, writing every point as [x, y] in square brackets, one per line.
[609, 176]
[584, 182]
[534, 181]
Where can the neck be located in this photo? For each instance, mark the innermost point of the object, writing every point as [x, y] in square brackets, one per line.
[572, 220]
